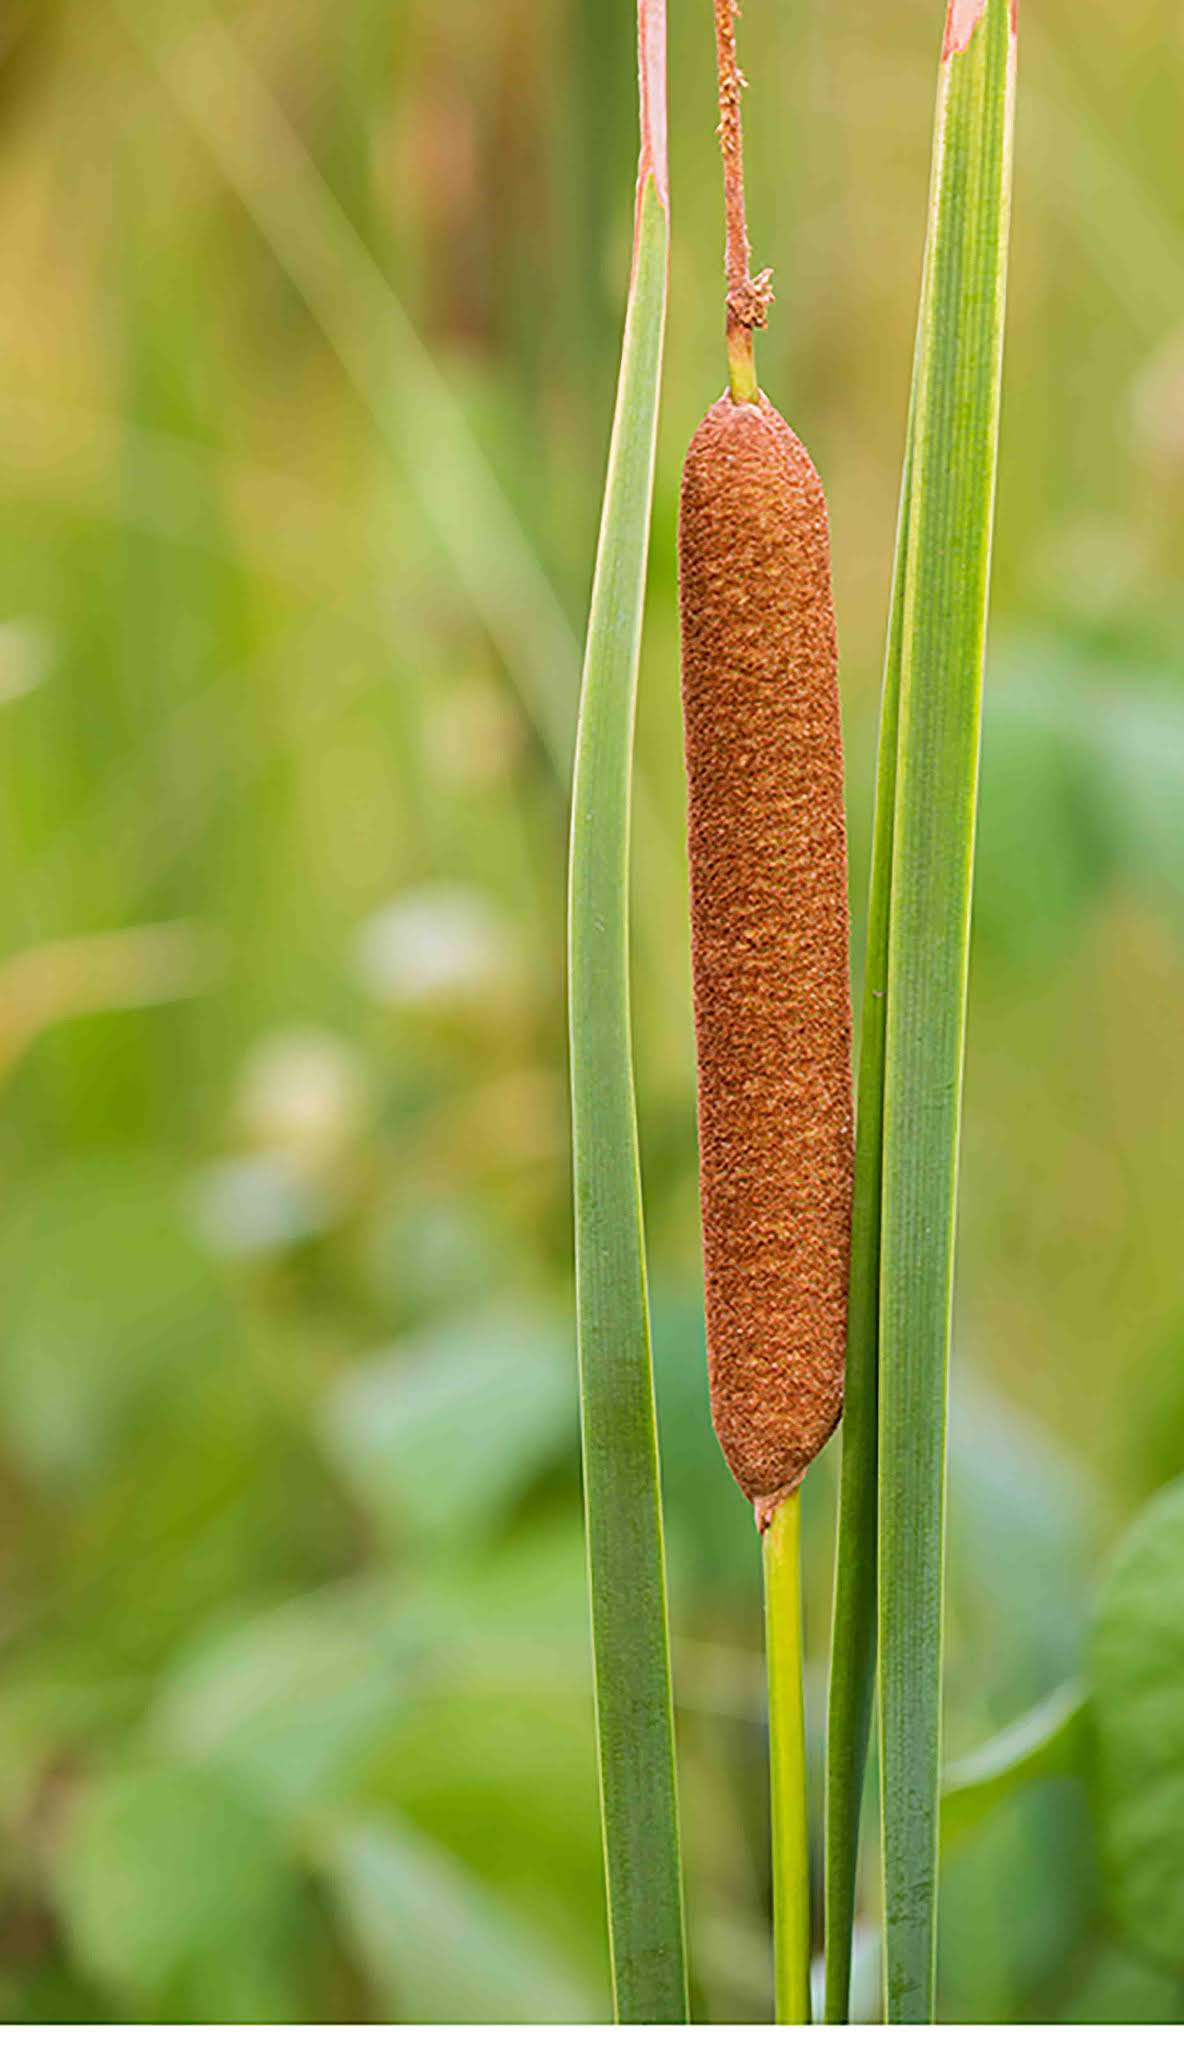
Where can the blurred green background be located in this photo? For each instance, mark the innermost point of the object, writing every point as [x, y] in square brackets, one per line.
[307, 354]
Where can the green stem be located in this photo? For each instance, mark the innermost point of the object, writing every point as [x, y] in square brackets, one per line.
[742, 380]
[787, 1762]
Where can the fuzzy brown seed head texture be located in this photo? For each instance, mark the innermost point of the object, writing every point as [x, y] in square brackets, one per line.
[768, 862]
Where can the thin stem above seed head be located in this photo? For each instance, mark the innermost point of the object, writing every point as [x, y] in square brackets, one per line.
[749, 298]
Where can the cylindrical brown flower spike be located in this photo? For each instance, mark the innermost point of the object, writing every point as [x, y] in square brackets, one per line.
[768, 864]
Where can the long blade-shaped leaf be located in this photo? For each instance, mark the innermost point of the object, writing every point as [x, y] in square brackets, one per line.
[621, 1489]
[950, 517]
[853, 1641]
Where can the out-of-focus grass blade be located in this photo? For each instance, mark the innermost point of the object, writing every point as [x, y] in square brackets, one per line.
[1047, 1743]
[393, 371]
[948, 549]
[621, 1487]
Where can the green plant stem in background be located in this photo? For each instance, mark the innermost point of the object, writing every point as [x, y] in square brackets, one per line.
[621, 1485]
[390, 366]
[948, 548]
[787, 1763]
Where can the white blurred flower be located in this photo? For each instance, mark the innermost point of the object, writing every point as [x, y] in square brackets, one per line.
[304, 1093]
[26, 657]
[435, 946]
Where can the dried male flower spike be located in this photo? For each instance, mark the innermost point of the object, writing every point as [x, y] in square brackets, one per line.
[768, 863]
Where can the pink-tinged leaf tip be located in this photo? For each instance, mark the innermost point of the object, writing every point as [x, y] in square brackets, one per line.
[651, 44]
[961, 21]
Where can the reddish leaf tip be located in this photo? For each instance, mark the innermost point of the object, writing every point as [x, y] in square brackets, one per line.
[651, 46]
[962, 19]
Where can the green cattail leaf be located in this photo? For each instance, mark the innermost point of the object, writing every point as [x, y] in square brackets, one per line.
[949, 519]
[854, 1645]
[621, 1488]
[853, 1642]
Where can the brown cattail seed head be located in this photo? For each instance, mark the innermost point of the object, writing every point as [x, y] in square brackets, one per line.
[768, 860]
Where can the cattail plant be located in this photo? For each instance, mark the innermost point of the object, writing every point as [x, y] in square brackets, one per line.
[798, 1289]
[768, 869]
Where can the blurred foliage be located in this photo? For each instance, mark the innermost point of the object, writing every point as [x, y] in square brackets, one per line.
[307, 361]
[1139, 1778]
